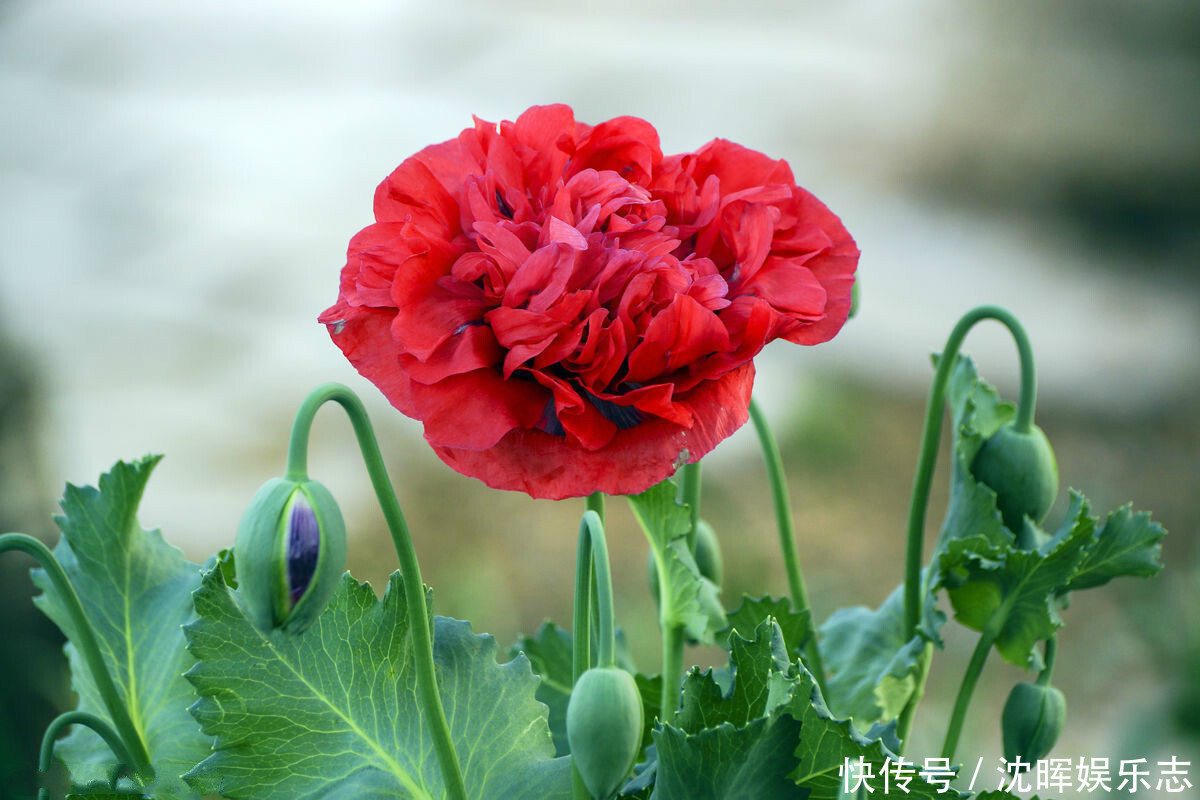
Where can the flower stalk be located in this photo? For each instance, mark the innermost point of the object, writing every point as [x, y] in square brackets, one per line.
[787, 534]
[923, 481]
[97, 724]
[133, 751]
[962, 701]
[593, 600]
[410, 571]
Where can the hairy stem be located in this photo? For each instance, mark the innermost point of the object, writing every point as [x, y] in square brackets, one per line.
[414, 590]
[787, 534]
[84, 638]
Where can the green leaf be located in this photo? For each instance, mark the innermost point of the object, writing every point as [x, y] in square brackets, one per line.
[795, 626]
[650, 688]
[333, 713]
[689, 600]
[976, 412]
[550, 657]
[136, 590]
[827, 742]
[1127, 544]
[1022, 585]
[728, 762]
[873, 664]
[752, 662]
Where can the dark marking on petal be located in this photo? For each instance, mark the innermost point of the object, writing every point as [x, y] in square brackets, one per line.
[622, 416]
[504, 208]
[549, 423]
[303, 546]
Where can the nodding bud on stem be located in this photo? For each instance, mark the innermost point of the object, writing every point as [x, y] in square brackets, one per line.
[289, 554]
[1019, 467]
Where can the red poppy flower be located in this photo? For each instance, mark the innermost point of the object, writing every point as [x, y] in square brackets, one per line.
[569, 311]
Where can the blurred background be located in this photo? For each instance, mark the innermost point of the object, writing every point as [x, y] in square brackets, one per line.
[178, 182]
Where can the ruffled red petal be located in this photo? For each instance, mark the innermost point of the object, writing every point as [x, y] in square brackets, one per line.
[569, 311]
[546, 466]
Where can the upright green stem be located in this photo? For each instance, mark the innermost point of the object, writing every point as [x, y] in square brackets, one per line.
[410, 571]
[84, 640]
[689, 494]
[595, 502]
[673, 637]
[593, 588]
[930, 439]
[986, 639]
[672, 668]
[787, 534]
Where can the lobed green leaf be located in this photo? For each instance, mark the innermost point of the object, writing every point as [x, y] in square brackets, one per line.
[333, 713]
[136, 590]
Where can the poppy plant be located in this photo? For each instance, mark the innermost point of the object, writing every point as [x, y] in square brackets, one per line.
[567, 310]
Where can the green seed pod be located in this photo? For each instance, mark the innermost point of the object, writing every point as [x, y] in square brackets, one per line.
[707, 555]
[289, 553]
[604, 728]
[1033, 718]
[1020, 469]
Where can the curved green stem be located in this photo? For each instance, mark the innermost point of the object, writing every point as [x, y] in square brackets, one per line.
[414, 590]
[986, 638]
[930, 439]
[1047, 674]
[84, 639]
[106, 732]
[787, 534]
[595, 502]
[593, 577]
[593, 590]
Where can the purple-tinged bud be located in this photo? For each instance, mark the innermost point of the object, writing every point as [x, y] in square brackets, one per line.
[303, 546]
[289, 554]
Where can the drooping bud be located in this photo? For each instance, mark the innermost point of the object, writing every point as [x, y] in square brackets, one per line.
[1033, 718]
[289, 553]
[1020, 468]
[604, 728]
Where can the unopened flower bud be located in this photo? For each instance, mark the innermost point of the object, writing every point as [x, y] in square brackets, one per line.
[604, 728]
[1019, 467]
[1033, 718]
[289, 554]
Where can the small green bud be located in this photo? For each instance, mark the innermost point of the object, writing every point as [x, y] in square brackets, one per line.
[289, 553]
[604, 728]
[1033, 718]
[1020, 469]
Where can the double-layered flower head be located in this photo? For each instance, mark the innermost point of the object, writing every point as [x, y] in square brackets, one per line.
[569, 311]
